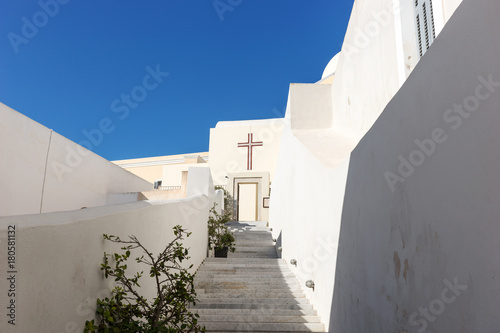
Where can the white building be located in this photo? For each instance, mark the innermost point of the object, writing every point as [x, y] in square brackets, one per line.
[399, 152]
[242, 159]
[384, 178]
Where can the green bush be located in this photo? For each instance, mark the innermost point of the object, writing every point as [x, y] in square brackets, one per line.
[128, 311]
[219, 235]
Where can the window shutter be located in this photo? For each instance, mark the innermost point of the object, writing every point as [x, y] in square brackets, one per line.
[424, 20]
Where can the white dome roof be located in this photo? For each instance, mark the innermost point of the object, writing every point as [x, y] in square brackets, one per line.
[331, 67]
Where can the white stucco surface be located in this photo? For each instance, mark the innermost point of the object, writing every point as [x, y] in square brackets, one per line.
[402, 247]
[41, 171]
[305, 213]
[321, 194]
[226, 157]
[368, 70]
[58, 257]
[310, 106]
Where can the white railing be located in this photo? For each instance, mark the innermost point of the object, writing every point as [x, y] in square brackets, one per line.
[165, 188]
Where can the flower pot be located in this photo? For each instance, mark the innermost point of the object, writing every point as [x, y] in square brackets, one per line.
[221, 253]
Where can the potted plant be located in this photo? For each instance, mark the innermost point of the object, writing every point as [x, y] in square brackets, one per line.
[220, 238]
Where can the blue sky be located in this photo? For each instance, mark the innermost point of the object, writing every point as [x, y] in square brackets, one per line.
[152, 77]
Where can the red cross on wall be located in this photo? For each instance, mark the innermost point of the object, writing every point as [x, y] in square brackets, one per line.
[249, 145]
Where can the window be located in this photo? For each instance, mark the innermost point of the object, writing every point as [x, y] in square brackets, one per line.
[426, 27]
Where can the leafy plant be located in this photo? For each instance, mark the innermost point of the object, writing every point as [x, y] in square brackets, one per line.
[219, 235]
[128, 311]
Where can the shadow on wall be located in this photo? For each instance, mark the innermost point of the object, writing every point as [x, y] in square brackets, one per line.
[419, 248]
[279, 244]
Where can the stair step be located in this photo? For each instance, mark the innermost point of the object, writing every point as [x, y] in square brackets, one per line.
[253, 312]
[247, 285]
[252, 290]
[257, 275]
[247, 255]
[208, 275]
[243, 269]
[256, 306]
[244, 272]
[256, 318]
[258, 331]
[284, 301]
[271, 327]
[250, 260]
[239, 263]
[231, 293]
[246, 288]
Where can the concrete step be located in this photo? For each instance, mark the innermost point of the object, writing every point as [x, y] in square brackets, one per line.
[253, 248]
[255, 285]
[251, 255]
[231, 293]
[250, 275]
[248, 232]
[252, 234]
[258, 318]
[231, 300]
[262, 233]
[255, 306]
[254, 275]
[257, 332]
[242, 268]
[252, 290]
[250, 278]
[241, 252]
[268, 327]
[253, 312]
[249, 261]
[241, 244]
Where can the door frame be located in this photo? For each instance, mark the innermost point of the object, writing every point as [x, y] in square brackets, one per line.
[262, 180]
[257, 192]
[236, 186]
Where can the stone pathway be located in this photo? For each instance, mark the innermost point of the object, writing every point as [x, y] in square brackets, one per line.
[252, 290]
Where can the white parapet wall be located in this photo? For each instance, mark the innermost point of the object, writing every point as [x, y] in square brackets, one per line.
[55, 275]
[42, 171]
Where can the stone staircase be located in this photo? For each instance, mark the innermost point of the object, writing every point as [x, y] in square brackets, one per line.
[252, 290]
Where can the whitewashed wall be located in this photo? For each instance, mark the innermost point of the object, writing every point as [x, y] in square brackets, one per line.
[420, 253]
[41, 171]
[378, 54]
[58, 257]
[305, 212]
[226, 157]
[308, 192]
[369, 72]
